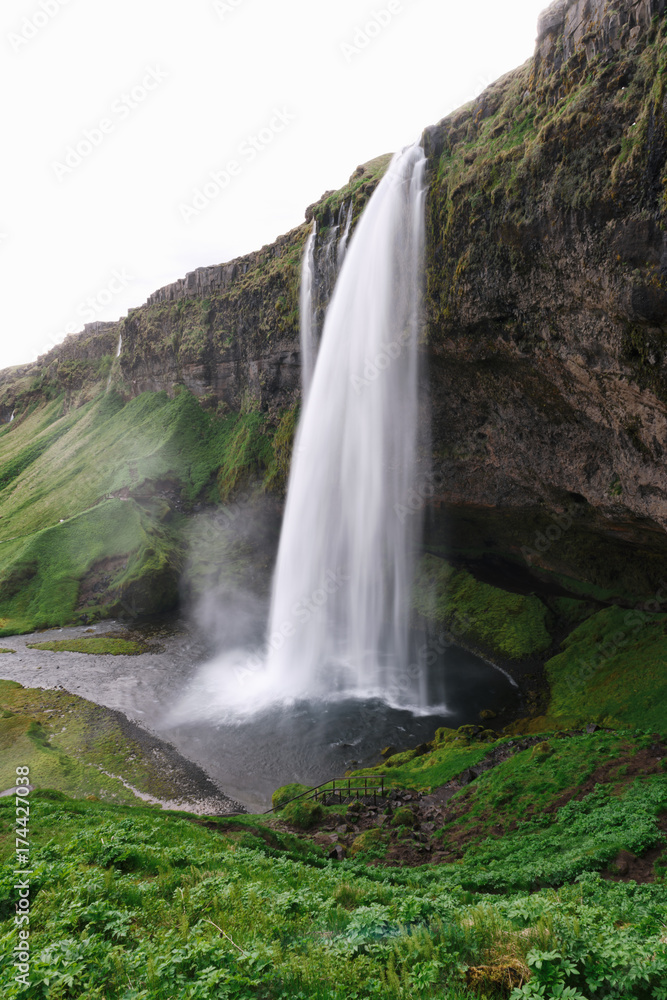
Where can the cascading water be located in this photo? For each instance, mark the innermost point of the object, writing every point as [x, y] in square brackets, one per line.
[339, 609]
[338, 626]
[118, 350]
[342, 246]
[306, 313]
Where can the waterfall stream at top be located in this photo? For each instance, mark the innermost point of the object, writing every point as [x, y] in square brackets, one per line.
[306, 313]
[339, 613]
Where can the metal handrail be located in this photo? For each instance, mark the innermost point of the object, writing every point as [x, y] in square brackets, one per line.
[344, 784]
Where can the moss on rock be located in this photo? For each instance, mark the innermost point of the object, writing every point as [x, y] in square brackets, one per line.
[511, 625]
[612, 670]
[98, 646]
[283, 795]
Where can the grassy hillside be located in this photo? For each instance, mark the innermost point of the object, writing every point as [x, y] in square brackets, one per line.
[131, 903]
[95, 500]
[74, 747]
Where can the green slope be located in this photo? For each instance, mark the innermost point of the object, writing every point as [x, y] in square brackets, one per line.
[94, 501]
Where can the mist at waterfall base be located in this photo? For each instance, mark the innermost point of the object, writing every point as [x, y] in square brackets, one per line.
[340, 652]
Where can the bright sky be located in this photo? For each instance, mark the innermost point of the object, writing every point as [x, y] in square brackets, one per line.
[117, 111]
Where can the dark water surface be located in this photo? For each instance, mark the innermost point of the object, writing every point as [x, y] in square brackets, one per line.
[307, 742]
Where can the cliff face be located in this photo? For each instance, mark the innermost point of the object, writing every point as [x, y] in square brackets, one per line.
[546, 333]
[227, 333]
[547, 303]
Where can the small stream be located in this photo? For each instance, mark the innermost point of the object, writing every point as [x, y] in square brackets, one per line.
[308, 742]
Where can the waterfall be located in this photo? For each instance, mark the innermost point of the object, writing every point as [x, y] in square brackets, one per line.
[340, 598]
[306, 310]
[119, 349]
[342, 246]
[11, 419]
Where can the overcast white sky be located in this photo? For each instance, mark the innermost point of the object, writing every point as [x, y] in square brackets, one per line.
[159, 94]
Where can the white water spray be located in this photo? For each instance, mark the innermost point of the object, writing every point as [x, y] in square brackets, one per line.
[306, 311]
[11, 419]
[339, 610]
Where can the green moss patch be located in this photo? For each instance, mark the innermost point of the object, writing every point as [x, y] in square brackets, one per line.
[43, 576]
[613, 667]
[448, 757]
[98, 646]
[511, 625]
[303, 813]
[287, 792]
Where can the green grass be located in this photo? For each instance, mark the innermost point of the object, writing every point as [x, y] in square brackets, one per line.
[7, 651]
[529, 782]
[97, 646]
[613, 666]
[42, 574]
[430, 770]
[530, 821]
[511, 625]
[68, 743]
[107, 498]
[132, 903]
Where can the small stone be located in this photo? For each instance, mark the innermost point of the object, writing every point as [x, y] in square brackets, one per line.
[337, 853]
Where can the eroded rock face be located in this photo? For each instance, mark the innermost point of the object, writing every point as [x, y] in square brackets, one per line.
[590, 28]
[547, 302]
